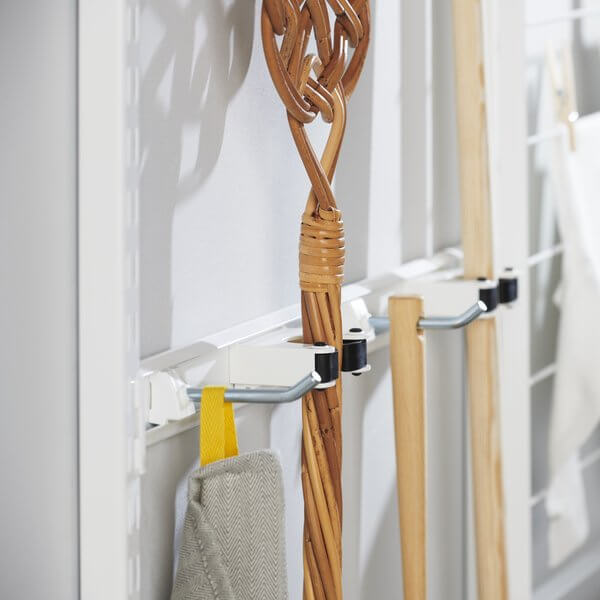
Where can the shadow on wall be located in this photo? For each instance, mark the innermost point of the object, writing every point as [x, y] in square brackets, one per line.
[197, 60]
[586, 56]
[352, 182]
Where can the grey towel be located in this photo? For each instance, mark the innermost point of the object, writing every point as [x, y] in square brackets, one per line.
[233, 545]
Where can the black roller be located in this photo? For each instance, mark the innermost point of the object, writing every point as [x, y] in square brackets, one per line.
[489, 296]
[327, 365]
[509, 289]
[354, 356]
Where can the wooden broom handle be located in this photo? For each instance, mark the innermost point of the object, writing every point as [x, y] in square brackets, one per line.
[486, 459]
[407, 355]
[477, 237]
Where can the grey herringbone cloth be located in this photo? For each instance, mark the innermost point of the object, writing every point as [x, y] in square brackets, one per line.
[233, 545]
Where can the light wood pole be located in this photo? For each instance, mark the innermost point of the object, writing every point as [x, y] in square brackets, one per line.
[407, 354]
[477, 236]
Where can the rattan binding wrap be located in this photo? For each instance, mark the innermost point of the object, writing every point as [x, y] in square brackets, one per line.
[310, 85]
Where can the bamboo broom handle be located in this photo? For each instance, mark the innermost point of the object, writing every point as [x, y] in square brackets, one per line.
[477, 234]
[407, 355]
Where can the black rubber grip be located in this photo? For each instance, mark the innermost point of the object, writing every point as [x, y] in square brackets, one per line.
[490, 297]
[327, 366]
[354, 356]
[509, 289]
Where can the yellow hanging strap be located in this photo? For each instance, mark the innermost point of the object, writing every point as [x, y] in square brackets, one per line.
[218, 438]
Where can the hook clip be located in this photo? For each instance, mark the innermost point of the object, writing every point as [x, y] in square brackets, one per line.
[482, 297]
[270, 395]
[382, 324]
[457, 322]
[271, 369]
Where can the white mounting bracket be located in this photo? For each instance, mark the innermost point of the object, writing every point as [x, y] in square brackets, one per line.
[452, 296]
[453, 303]
[355, 317]
[275, 359]
[166, 397]
[271, 360]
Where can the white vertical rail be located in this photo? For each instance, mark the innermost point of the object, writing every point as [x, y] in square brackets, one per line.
[110, 459]
[385, 147]
[417, 129]
[505, 65]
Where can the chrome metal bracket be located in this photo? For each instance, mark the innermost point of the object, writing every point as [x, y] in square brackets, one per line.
[382, 324]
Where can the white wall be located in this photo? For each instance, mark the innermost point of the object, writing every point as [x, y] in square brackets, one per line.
[38, 382]
[584, 38]
[222, 190]
[222, 193]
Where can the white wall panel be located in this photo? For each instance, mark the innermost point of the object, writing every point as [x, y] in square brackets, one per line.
[38, 300]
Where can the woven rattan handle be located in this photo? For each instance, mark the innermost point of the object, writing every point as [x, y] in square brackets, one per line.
[309, 85]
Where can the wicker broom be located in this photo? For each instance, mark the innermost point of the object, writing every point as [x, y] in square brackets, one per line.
[310, 84]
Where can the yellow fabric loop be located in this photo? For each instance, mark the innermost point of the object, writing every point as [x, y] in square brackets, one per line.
[218, 437]
[231, 443]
